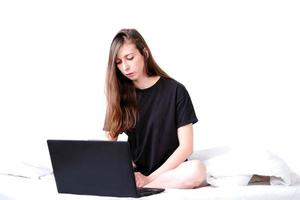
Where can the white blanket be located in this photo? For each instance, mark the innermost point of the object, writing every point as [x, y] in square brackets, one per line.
[225, 167]
[236, 166]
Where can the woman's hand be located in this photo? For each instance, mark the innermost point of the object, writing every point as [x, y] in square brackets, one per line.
[109, 136]
[141, 180]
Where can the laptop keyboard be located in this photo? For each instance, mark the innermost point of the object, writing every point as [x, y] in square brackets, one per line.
[148, 191]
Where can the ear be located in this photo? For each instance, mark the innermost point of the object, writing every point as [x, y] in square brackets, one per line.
[146, 53]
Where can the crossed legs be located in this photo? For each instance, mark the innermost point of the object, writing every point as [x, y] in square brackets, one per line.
[188, 175]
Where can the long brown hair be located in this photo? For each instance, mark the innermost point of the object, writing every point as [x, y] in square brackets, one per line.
[121, 111]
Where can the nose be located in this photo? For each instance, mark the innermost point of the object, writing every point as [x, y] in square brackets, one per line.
[125, 66]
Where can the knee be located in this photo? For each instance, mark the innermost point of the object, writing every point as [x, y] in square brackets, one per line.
[197, 174]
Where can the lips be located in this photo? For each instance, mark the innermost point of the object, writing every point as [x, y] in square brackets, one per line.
[130, 74]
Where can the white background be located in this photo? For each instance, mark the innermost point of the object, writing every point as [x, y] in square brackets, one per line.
[239, 61]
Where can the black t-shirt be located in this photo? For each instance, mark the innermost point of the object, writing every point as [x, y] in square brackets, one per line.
[162, 109]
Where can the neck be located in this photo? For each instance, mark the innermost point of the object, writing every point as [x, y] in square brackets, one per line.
[145, 82]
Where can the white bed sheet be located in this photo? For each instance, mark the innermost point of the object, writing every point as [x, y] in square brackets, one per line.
[17, 188]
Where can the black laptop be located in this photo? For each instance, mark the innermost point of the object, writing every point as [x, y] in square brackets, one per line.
[92, 167]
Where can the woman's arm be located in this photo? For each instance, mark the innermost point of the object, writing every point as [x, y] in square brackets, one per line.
[183, 151]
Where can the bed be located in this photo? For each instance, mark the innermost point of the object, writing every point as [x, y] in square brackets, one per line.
[15, 188]
[28, 181]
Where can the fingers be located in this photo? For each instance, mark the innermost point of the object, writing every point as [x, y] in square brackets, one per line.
[137, 179]
[133, 164]
[140, 179]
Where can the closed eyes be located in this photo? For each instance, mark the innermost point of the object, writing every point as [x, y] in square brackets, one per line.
[128, 57]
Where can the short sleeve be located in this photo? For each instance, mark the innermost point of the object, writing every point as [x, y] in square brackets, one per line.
[185, 113]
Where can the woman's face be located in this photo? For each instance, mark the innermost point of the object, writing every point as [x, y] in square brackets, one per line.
[131, 62]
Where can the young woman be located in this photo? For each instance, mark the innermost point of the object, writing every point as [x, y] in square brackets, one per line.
[156, 113]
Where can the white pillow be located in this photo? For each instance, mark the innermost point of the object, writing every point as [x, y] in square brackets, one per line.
[24, 169]
[235, 166]
[26, 163]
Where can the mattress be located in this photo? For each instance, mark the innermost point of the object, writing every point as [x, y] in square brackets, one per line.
[20, 188]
